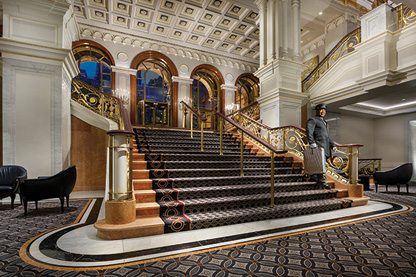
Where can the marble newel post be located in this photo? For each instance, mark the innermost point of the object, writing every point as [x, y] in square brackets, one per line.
[281, 96]
[37, 70]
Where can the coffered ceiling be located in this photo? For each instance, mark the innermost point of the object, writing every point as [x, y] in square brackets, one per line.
[217, 26]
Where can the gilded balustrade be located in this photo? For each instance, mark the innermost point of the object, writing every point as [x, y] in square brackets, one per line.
[345, 46]
[252, 111]
[97, 101]
[343, 166]
[404, 15]
[368, 166]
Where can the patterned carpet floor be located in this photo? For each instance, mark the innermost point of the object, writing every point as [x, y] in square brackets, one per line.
[384, 246]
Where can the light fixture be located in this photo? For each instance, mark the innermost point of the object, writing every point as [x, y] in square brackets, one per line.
[320, 13]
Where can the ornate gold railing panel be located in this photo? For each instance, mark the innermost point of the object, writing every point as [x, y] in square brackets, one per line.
[97, 101]
[404, 15]
[343, 166]
[345, 46]
[368, 166]
[252, 111]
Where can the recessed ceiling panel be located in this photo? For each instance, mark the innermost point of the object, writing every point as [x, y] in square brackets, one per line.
[169, 6]
[98, 4]
[164, 19]
[178, 35]
[147, 3]
[122, 8]
[189, 12]
[209, 18]
[141, 26]
[183, 24]
[144, 14]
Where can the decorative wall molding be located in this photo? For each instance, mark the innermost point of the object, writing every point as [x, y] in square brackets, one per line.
[165, 47]
[320, 41]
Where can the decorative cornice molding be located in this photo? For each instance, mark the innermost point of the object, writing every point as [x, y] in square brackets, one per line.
[164, 47]
[378, 111]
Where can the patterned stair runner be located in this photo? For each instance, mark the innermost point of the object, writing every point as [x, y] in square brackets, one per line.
[197, 189]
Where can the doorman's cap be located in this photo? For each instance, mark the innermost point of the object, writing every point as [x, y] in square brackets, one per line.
[320, 106]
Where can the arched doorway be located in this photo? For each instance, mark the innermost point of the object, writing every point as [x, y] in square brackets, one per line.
[94, 63]
[248, 90]
[206, 95]
[153, 92]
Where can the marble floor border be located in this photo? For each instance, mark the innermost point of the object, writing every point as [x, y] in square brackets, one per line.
[76, 247]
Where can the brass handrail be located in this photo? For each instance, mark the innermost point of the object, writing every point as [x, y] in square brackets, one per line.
[272, 150]
[201, 119]
[343, 47]
[343, 166]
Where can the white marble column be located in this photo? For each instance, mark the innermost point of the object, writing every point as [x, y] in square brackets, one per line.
[229, 97]
[296, 29]
[184, 94]
[271, 30]
[262, 4]
[285, 28]
[122, 84]
[280, 79]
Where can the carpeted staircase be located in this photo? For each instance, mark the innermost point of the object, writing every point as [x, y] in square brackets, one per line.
[190, 189]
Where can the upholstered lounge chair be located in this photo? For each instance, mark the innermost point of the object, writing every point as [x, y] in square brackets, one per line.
[396, 176]
[59, 186]
[11, 176]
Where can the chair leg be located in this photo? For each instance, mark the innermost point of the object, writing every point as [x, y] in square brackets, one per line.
[62, 203]
[13, 196]
[398, 188]
[376, 187]
[407, 187]
[25, 205]
[36, 204]
[67, 201]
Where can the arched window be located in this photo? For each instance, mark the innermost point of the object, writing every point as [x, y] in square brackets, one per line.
[206, 96]
[153, 93]
[248, 90]
[94, 66]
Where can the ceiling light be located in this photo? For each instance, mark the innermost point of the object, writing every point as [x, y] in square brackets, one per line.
[320, 13]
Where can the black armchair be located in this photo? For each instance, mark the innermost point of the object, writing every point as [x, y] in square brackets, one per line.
[396, 176]
[59, 186]
[11, 176]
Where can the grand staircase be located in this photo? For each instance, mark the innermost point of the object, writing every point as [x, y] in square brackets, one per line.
[178, 187]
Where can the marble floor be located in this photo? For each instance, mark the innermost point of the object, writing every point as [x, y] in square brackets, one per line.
[77, 246]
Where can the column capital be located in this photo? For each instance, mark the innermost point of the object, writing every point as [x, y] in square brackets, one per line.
[260, 2]
[124, 70]
[229, 87]
[182, 80]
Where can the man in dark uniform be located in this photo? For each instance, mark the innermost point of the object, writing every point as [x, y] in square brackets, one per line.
[318, 136]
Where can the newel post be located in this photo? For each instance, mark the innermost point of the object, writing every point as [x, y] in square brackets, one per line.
[120, 205]
[354, 189]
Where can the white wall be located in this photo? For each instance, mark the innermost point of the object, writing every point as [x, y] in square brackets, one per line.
[350, 129]
[392, 135]
[389, 138]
